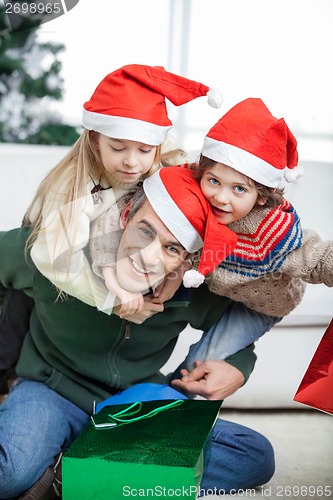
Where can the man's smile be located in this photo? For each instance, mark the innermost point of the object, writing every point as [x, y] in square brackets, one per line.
[139, 269]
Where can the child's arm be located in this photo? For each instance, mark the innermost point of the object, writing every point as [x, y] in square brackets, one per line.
[59, 251]
[131, 302]
[278, 293]
[313, 261]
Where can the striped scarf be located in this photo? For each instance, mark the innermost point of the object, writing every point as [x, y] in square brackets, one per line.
[263, 245]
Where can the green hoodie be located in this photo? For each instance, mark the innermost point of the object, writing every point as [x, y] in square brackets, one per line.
[86, 355]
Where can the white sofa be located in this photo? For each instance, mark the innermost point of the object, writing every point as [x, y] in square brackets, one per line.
[285, 352]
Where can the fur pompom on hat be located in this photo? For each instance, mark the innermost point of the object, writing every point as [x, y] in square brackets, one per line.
[130, 102]
[251, 140]
[176, 197]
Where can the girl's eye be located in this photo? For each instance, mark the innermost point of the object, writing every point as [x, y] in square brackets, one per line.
[117, 150]
[145, 151]
[240, 189]
[213, 181]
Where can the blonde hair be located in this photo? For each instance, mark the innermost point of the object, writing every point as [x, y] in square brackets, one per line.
[68, 180]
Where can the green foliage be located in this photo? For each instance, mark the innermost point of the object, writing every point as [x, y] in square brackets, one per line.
[56, 134]
[30, 79]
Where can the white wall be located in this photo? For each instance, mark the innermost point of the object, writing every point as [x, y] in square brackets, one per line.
[22, 169]
[278, 50]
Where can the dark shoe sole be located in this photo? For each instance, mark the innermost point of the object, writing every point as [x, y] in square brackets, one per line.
[48, 487]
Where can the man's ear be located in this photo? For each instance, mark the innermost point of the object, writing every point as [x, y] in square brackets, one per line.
[125, 214]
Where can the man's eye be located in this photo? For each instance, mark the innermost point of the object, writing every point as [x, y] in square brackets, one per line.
[146, 232]
[139, 233]
[173, 249]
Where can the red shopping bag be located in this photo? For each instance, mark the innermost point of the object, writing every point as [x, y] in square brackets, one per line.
[316, 388]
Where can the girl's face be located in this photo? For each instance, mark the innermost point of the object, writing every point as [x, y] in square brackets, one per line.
[126, 160]
[229, 193]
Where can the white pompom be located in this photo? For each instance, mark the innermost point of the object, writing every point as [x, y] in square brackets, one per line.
[292, 174]
[215, 98]
[193, 279]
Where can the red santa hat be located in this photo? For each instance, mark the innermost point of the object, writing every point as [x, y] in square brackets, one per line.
[176, 197]
[251, 140]
[130, 102]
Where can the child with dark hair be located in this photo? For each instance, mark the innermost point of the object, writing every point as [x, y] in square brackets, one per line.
[245, 158]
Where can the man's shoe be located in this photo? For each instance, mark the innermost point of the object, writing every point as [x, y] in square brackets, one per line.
[49, 486]
[42, 489]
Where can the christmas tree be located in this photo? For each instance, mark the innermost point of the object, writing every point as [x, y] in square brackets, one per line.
[30, 79]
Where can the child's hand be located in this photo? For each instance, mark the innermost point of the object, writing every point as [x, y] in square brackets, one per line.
[148, 310]
[131, 303]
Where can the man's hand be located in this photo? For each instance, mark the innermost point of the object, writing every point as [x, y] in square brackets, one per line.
[211, 379]
[148, 310]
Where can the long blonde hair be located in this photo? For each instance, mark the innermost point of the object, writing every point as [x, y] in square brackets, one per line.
[68, 179]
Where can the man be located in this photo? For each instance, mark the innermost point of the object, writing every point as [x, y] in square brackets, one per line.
[74, 355]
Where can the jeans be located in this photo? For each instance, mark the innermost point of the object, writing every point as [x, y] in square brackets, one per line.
[237, 328]
[36, 423]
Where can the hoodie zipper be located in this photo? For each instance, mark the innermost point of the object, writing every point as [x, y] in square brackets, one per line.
[126, 333]
[127, 330]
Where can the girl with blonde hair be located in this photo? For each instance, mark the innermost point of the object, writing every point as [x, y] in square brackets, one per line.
[125, 140]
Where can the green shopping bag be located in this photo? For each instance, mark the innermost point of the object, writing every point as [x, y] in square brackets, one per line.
[153, 448]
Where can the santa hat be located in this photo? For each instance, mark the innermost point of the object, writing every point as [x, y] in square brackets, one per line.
[176, 197]
[130, 102]
[251, 140]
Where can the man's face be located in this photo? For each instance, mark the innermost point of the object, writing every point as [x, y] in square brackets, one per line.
[148, 251]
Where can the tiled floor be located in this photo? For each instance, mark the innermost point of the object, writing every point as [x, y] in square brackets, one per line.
[303, 444]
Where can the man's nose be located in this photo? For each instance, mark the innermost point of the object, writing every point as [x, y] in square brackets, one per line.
[152, 254]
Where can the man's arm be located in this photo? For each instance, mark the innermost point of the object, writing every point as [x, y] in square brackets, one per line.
[16, 269]
[2, 294]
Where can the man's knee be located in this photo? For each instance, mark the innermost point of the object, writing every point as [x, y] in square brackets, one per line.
[238, 458]
[250, 447]
[263, 453]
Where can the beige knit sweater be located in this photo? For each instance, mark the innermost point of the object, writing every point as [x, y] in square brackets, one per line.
[105, 236]
[279, 290]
